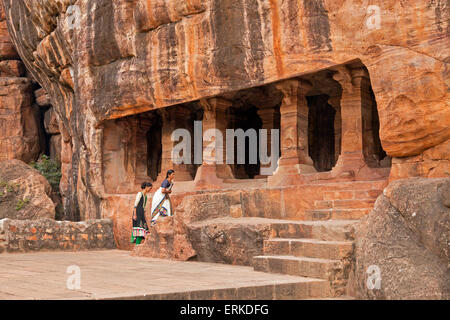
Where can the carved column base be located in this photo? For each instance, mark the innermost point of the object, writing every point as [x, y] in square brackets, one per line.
[352, 166]
[289, 172]
[207, 177]
[182, 172]
[224, 171]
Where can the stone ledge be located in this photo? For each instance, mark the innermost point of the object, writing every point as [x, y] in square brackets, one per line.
[48, 234]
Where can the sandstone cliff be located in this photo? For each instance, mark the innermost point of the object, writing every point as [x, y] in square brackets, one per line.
[108, 59]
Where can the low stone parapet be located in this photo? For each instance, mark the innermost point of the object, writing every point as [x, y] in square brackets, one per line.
[48, 234]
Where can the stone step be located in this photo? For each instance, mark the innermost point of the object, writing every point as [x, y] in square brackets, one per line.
[297, 288]
[336, 214]
[298, 266]
[357, 194]
[310, 248]
[344, 204]
[353, 204]
[331, 230]
[333, 298]
[353, 185]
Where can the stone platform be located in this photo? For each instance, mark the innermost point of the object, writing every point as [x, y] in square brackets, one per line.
[114, 274]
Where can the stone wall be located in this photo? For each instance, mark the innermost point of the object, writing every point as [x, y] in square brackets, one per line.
[48, 234]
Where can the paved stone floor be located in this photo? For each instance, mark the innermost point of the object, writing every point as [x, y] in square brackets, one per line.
[114, 274]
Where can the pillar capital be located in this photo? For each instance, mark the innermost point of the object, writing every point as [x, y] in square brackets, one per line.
[293, 87]
[182, 111]
[165, 114]
[215, 104]
[335, 102]
[350, 79]
[360, 78]
[344, 77]
[266, 112]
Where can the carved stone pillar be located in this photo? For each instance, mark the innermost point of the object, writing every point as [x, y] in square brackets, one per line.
[353, 82]
[269, 117]
[143, 126]
[172, 119]
[294, 132]
[237, 169]
[183, 172]
[335, 102]
[211, 173]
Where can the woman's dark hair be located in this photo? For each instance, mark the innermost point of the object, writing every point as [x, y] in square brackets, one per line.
[169, 172]
[145, 185]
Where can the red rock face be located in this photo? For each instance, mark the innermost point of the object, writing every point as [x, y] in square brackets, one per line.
[107, 60]
[25, 193]
[7, 49]
[19, 133]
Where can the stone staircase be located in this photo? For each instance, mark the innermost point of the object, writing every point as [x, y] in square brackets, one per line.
[320, 247]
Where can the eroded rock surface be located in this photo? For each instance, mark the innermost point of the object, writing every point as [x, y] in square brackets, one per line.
[19, 132]
[20, 135]
[24, 192]
[208, 227]
[406, 237]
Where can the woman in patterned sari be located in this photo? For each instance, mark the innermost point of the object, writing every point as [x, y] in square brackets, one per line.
[140, 227]
[161, 205]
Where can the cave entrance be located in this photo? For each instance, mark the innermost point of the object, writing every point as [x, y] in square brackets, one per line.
[321, 132]
[374, 155]
[154, 148]
[246, 118]
[132, 152]
[251, 110]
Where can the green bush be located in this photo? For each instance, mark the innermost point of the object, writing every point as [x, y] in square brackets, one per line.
[50, 169]
[21, 203]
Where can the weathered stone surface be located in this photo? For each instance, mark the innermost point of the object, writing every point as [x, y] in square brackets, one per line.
[7, 49]
[205, 231]
[42, 98]
[11, 68]
[24, 192]
[48, 234]
[406, 236]
[55, 147]
[20, 134]
[228, 241]
[19, 131]
[130, 57]
[432, 163]
[51, 122]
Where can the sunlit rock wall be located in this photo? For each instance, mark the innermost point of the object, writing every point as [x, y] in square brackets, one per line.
[107, 59]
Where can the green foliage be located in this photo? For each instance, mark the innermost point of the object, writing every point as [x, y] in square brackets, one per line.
[50, 169]
[5, 186]
[21, 203]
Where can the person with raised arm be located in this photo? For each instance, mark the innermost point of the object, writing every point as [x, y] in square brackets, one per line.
[161, 205]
